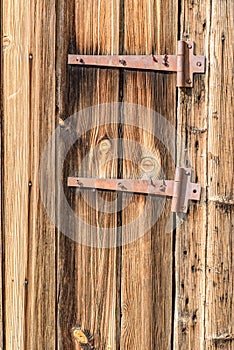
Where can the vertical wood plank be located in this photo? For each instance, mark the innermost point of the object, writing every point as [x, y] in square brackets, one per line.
[146, 287]
[219, 318]
[29, 100]
[191, 233]
[204, 282]
[40, 313]
[88, 277]
[1, 187]
[16, 172]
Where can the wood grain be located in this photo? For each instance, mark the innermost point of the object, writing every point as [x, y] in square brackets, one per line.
[203, 254]
[191, 232]
[88, 277]
[1, 189]
[29, 90]
[41, 244]
[16, 170]
[219, 319]
[163, 290]
[146, 291]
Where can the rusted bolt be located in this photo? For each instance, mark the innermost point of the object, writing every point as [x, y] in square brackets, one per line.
[162, 188]
[148, 164]
[189, 46]
[199, 64]
[80, 60]
[121, 186]
[79, 183]
[165, 60]
[105, 146]
[123, 62]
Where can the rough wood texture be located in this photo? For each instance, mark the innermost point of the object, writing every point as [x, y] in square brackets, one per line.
[41, 260]
[29, 91]
[124, 296]
[1, 173]
[219, 317]
[16, 169]
[146, 291]
[87, 276]
[191, 233]
[204, 284]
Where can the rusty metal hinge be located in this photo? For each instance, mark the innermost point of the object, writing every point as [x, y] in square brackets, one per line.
[181, 189]
[185, 63]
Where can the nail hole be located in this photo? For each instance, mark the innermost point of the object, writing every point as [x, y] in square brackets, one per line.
[194, 191]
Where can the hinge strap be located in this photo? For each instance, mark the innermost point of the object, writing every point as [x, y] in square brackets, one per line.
[181, 189]
[185, 63]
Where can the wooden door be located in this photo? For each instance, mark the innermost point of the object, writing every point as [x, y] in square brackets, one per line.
[113, 265]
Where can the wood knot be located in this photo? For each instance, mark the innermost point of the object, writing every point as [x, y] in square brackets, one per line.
[83, 337]
[105, 146]
[148, 164]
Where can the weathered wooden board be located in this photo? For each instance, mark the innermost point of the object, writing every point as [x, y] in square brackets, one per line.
[29, 105]
[1, 194]
[204, 284]
[191, 233]
[88, 277]
[146, 290]
[219, 317]
[16, 170]
[163, 290]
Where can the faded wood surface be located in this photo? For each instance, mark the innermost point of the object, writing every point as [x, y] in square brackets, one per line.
[191, 234]
[219, 317]
[146, 292]
[204, 283]
[29, 259]
[1, 173]
[165, 290]
[16, 170]
[87, 276]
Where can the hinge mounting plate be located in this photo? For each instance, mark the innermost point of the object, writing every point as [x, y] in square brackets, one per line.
[181, 189]
[185, 63]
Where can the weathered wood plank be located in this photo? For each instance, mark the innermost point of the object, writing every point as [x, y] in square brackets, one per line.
[146, 290]
[191, 233]
[88, 277]
[1, 189]
[204, 279]
[40, 323]
[219, 318]
[29, 91]
[16, 170]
